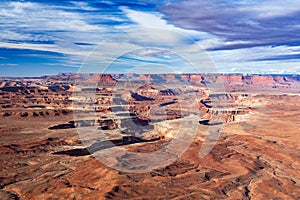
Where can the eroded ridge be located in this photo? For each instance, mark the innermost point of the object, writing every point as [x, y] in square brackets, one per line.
[255, 157]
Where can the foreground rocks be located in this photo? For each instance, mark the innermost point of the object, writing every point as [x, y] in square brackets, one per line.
[43, 157]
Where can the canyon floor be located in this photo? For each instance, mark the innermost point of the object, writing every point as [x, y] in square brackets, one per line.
[52, 134]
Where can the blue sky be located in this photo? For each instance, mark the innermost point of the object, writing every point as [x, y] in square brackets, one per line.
[243, 36]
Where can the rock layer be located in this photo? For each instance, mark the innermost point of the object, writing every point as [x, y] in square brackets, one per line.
[43, 157]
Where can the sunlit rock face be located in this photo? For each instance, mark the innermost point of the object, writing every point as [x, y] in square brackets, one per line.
[53, 127]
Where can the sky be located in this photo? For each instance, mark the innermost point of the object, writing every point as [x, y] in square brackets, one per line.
[167, 36]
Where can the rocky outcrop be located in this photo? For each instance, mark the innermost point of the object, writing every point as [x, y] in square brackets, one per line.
[102, 80]
[255, 157]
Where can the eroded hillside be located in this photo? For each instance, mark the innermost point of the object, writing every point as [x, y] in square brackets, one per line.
[56, 130]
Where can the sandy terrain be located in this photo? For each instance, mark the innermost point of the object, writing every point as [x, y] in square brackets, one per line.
[50, 145]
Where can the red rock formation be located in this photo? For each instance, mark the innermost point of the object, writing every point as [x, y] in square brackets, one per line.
[255, 157]
[102, 79]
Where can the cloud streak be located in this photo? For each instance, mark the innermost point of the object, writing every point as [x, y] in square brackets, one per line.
[239, 36]
[258, 23]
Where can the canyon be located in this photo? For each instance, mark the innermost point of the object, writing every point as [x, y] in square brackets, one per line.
[150, 136]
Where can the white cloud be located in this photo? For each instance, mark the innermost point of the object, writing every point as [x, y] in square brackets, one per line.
[56, 28]
[252, 54]
[255, 60]
[24, 23]
[83, 6]
[272, 8]
[155, 20]
[217, 42]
